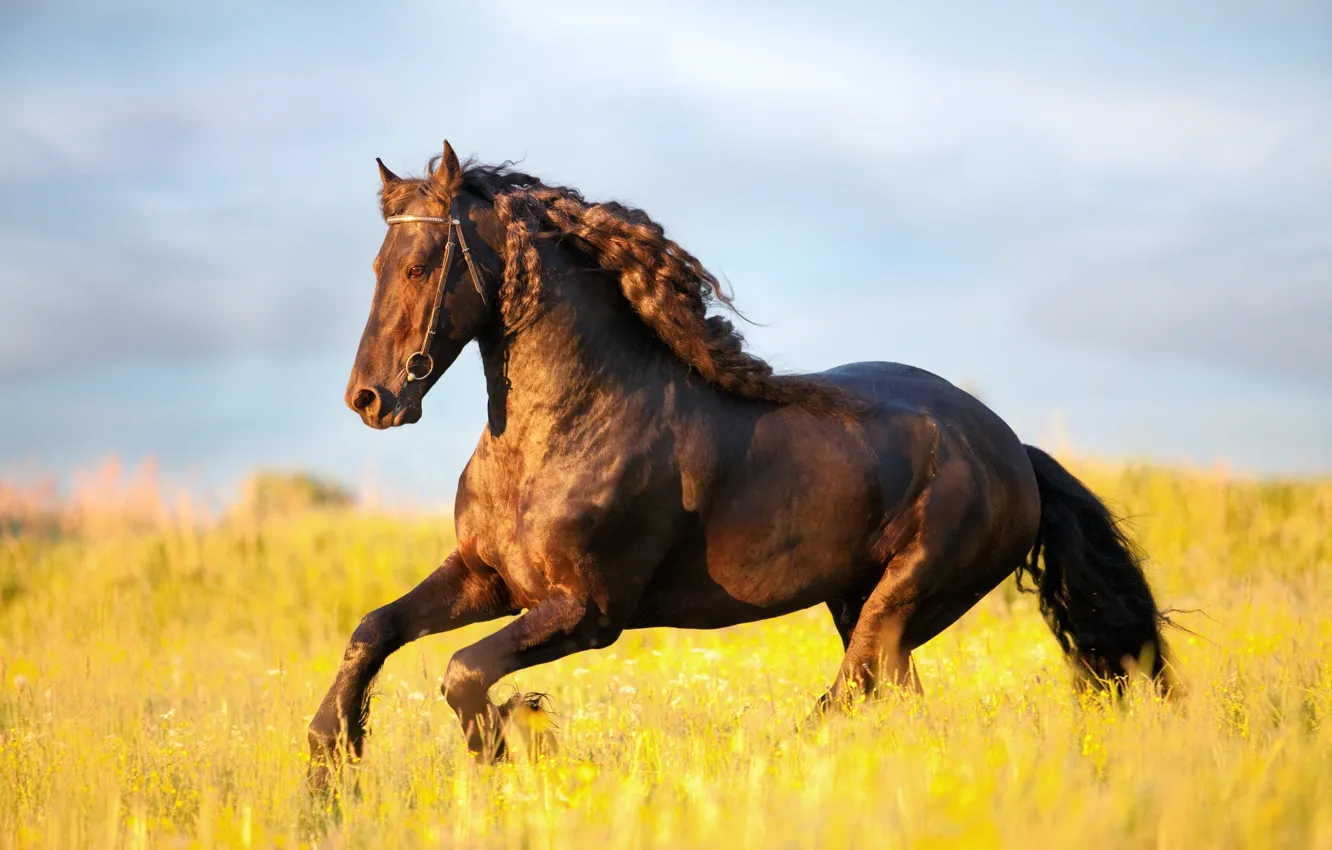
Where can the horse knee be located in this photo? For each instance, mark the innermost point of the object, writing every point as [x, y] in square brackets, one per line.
[464, 681]
[376, 628]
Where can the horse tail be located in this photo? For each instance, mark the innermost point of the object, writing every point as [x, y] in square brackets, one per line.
[1092, 589]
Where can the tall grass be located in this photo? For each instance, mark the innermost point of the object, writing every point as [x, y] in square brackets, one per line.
[156, 678]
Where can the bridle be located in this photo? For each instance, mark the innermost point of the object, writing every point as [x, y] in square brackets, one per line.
[420, 364]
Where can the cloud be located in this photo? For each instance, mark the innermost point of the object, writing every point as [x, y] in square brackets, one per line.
[206, 189]
[1256, 295]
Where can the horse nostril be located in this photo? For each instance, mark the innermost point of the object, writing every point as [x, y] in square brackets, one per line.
[363, 399]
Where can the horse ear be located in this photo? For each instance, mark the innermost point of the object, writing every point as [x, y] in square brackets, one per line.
[449, 171]
[384, 174]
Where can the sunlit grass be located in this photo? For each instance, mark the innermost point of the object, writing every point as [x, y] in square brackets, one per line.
[155, 684]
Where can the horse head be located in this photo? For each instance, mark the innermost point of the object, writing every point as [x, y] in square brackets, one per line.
[429, 302]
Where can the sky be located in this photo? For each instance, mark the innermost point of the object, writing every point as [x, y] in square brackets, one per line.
[1112, 221]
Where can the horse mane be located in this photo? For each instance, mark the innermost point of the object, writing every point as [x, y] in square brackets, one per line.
[667, 287]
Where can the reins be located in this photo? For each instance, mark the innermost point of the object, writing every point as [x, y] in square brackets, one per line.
[420, 364]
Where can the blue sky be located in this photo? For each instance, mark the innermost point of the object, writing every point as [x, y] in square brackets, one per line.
[1114, 221]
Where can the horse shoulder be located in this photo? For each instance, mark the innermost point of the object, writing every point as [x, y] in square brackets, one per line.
[584, 516]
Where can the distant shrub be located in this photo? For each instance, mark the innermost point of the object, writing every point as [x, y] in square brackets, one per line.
[106, 499]
[270, 493]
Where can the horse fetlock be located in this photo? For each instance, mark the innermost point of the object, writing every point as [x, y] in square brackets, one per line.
[323, 742]
[464, 684]
[331, 741]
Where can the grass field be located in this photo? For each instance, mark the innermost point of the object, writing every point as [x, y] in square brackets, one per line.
[156, 680]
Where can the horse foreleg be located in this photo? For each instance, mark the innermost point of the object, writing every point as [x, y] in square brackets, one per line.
[551, 629]
[450, 597]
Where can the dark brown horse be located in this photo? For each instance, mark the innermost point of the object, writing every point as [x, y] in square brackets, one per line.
[641, 469]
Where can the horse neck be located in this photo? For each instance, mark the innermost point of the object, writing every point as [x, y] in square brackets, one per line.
[583, 355]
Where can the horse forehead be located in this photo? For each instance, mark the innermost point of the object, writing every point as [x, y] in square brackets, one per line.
[426, 203]
[409, 236]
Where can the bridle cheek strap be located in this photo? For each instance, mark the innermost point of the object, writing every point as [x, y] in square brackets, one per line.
[420, 364]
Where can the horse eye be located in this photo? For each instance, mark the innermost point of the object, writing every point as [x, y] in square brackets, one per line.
[416, 271]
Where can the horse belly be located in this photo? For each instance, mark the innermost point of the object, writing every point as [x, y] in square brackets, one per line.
[805, 560]
[701, 605]
[759, 557]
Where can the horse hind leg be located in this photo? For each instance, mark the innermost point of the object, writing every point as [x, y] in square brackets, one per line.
[877, 661]
[925, 587]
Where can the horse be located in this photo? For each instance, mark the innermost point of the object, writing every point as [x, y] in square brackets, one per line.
[640, 468]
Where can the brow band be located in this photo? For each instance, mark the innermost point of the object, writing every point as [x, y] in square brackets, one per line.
[424, 219]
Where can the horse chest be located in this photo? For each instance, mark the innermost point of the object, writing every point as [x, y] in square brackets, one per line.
[534, 526]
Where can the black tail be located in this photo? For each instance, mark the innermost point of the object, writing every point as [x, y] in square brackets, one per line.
[1092, 589]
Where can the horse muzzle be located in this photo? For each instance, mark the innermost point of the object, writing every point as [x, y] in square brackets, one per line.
[380, 409]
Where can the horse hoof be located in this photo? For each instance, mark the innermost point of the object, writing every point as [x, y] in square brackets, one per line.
[527, 728]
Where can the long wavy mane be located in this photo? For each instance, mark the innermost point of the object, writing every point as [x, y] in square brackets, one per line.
[668, 287]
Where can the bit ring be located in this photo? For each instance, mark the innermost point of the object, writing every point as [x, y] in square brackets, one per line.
[419, 366]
